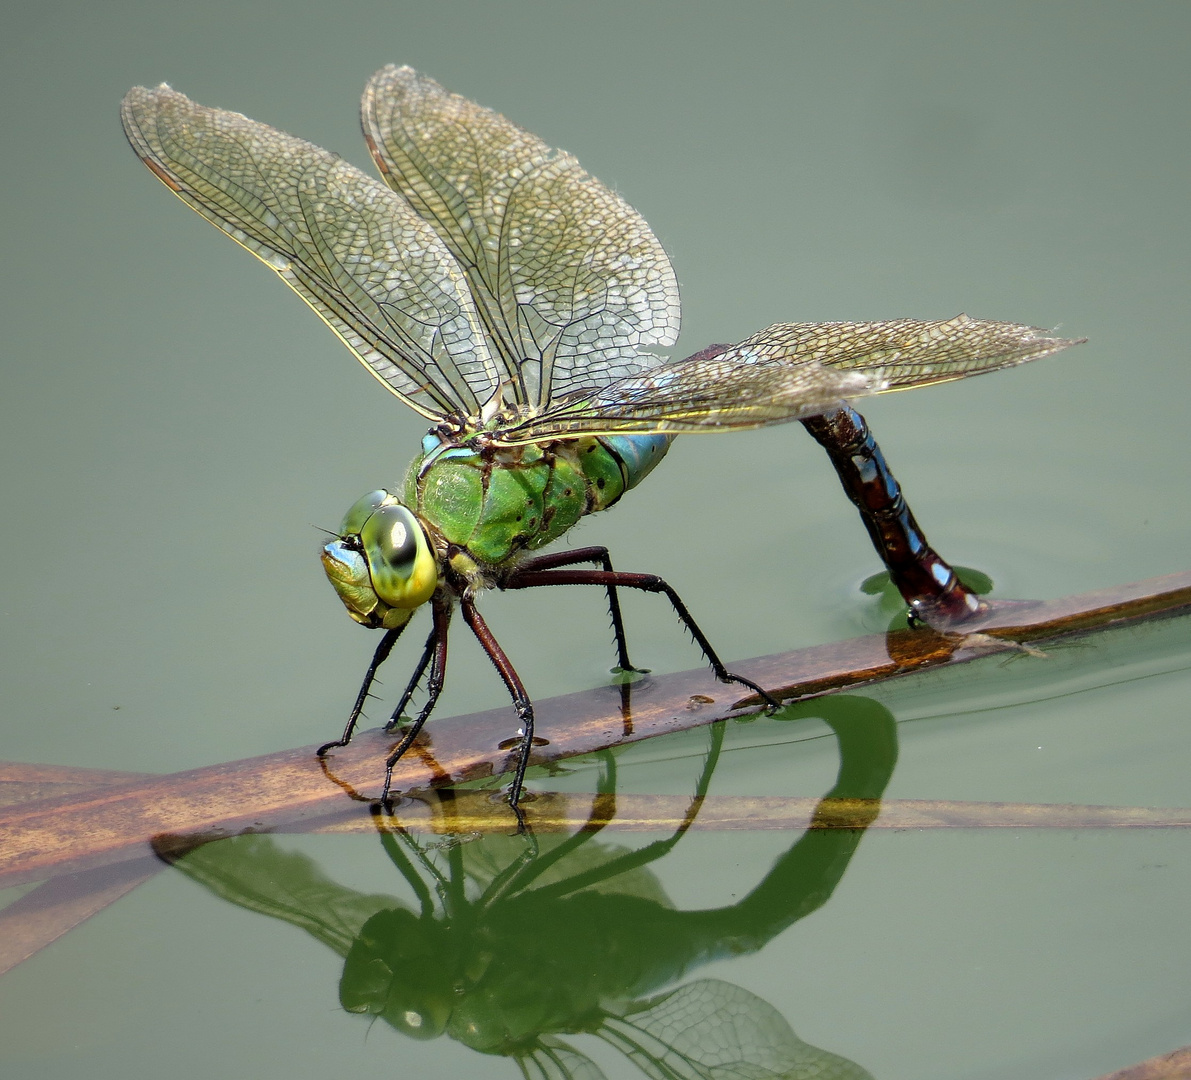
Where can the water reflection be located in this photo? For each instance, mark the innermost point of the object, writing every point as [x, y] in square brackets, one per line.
[512, 943]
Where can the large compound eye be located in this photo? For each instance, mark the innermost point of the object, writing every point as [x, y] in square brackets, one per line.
[390, 537]
[403, 568]
[361, 510]
[382, 564]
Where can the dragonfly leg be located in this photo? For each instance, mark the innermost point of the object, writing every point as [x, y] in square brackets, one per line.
[436, 648]
[379, 657]
[531, 579]
[600, 556]
[516, 690]
[927, 583]
[412, 686]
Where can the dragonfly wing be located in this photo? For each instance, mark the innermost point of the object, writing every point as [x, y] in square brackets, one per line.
[902, 353]
[569, 279]
[553, 1059]
[742, 387]
[252, 872]
[714, 1030]
[789, 371]
[357, 253]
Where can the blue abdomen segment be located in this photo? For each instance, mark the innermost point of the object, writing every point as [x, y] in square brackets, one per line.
[637, 453]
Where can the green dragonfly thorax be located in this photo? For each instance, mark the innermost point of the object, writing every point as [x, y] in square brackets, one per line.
[495, 502]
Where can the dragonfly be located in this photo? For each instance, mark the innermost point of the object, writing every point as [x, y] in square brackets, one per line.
[516, 303]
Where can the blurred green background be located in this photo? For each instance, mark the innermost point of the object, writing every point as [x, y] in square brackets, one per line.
[175, 426]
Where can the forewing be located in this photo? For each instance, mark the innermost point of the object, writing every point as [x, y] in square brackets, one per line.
[356, 252]
[569, 279]
[789, 371]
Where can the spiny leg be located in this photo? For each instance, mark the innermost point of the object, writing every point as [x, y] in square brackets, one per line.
[531, 579]
[516, 690]
[379, 657]
[438, 672]
[554, 560]
[415, 679]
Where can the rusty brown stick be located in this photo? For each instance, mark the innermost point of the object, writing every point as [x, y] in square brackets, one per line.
[44, 914]
[1173, 1066]
[25, 783]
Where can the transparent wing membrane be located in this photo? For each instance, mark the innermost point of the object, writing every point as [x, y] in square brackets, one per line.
[497, 285]
[902, 353]
[553, 1059]
[357, 253]
[788, 371]
[714, 1030]
[568, 278]
[738, 389]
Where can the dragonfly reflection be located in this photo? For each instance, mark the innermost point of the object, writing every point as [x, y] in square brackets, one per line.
[513, 945]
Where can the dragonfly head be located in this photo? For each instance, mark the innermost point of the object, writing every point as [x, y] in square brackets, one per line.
[382, 564]
[400, 968]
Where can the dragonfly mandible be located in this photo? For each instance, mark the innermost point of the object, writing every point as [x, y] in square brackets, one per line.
[512, 300]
